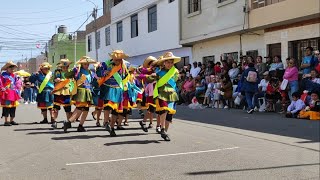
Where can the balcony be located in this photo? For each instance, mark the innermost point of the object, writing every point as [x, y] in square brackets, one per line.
[101, 22]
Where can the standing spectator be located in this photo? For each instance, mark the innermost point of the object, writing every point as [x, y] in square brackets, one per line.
[308, 60]
[195, 70]
[250, 81]
[262, 89]
[296, 106]
[19, 85]
[291, 74]
[250, 59]
[210, 70]
[27, 92]
[216, 93]
[227, 89]
[260, 66]
[225, 67]
[233, 73]
[277, 64]
[35, 91]
[268, 62]
[202, 72]
[217, 68]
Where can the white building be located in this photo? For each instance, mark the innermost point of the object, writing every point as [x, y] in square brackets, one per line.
[141, 28]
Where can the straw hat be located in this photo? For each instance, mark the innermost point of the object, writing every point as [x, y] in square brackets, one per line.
[169, 56]
[45, 65]
[118, 54]
[86, 59]
[64, 62]
[148, 61]
[7, 65]
[131, 69]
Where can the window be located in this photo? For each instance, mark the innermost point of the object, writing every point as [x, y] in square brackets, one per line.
[233, 55]
[296, 49]
[274, 50]
[63, 56]
[207, 59]
[184, 62]
[89, 44]
[98, 40]
[117, 2]
[107, 32]
[193, 6]
[170, 1]
[134, 26]
[253, 53]
[261, 3]
[152, 19]
[119, 32]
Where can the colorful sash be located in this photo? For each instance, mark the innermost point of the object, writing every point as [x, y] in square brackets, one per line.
[165, 78]
[115, 74]
[45, 82]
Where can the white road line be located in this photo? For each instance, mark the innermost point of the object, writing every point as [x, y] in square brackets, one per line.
[156, 156]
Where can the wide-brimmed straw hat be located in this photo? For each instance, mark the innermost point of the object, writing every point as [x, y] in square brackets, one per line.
[148, 61]
[45, 65]
[169, 56]
[86, 60]
[118, 54]
[64, 62]
[7, 65]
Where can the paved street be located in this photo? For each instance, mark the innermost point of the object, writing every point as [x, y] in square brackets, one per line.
[206, 144]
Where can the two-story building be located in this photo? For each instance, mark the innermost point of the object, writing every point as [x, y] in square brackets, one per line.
[140, 28]
[216, 29]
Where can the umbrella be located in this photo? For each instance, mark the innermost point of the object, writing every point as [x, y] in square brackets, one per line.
[23, 73]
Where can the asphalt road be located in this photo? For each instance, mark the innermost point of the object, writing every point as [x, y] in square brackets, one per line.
[206, 144]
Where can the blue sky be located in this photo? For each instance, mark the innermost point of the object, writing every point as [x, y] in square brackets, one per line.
[26, 23]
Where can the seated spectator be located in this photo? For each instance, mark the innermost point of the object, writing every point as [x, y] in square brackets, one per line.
[210, 68]
[312, 111]
[262, 90]
[260, 66]
[272, 94]
[291, 74]
[233, 73]
[311, 81]
[195, 70]
[200, 84]
[317, 61]
[217, 69]
[188, 88]
[180, 82]
[296, 106]
[209, 91]
[277, 64]
[227, 89]
[308, 61]
[203, 70]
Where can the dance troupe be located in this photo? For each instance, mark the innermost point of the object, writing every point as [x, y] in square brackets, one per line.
[113, 88]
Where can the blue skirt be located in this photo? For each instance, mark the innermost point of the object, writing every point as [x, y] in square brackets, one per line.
[112, 94]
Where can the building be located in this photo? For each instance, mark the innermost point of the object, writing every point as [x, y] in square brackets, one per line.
[34, 63]
[140, 28]
[64, 45]
[22, 66]
[216, 29]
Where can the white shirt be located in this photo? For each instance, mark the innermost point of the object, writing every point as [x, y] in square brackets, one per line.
[195, 72]
[263, 84]
[296, 106]
[316, 80]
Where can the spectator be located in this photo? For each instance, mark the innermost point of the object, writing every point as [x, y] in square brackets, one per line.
[19, 85]
[233, 73]
[296, 106]
[210, 68]
[200, 84]
[216, 94]
[227, 89]
[317, 62]
[27, 92]
[250, 60]
[260, 66]
[180, 82]
[225, 67]
[311, 81]
[203, 70]
[195, 70]
[35, 91]
[188, 88]
[250, 80]
[209, 91]
[308, 60]
[244, 64]
[268, 62]
[277, 64]
[188, 68]
[262, 88]
[312, 111]
[273, 94]
[291, 74]
[217, 68]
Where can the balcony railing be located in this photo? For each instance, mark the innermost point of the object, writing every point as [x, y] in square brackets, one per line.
[262, 3]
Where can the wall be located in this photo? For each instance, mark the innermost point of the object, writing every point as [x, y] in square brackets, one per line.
[213, 21]
[288, 10]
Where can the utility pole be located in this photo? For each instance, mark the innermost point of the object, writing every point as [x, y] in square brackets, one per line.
[94, 14]
[75, 47]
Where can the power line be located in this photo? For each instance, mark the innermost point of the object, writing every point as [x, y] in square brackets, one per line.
[21, 31]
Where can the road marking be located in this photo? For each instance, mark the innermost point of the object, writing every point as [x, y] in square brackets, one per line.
[156, 156]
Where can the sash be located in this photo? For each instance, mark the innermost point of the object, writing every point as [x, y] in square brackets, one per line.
[45, 82]
[113, 71]
[166, 78]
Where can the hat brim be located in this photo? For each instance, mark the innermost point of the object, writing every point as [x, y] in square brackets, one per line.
[7, 65]
[119, 56]
[148, 62]
[175, 60]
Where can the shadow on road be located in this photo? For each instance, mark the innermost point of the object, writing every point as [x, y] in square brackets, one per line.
[95, 136]
[132, 142]
[270, 123]
[253, 169]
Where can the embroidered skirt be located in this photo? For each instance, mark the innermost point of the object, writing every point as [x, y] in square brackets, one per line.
[83, 98]
[61, 100]
[9, 104]
[45, 99]
[162, 105]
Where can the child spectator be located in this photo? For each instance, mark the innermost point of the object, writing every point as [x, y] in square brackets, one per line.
[312, 111]
[209, 90]
[216, 96]
[200, 87]
[296, 106]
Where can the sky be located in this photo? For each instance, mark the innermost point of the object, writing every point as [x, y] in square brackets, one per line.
[26, 25]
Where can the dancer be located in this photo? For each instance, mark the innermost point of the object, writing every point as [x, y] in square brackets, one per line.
[63, 90]
[83, 99]
[45, 96]
[165, 91]
[9, 93]
[98, 103]
[112, 73]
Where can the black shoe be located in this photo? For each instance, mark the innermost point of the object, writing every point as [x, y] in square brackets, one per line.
[165, 136]
[7, 124]
[44, 121]
[54, 125]
[113, 133]
[120, 128]
[107, 126]
[81, 129]
[93, 116]
[158, 129]
[150, 126]
[13, 123]
[143, 126]
[66, 125]
[250, 111]
[98, 124]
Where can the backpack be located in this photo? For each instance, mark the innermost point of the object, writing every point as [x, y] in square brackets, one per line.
[252, 77]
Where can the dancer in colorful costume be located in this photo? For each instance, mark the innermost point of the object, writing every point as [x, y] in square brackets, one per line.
[45, 96]
[83, 99]
[113, 73]
[98, 103]
[9, 93]
[165, 92]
